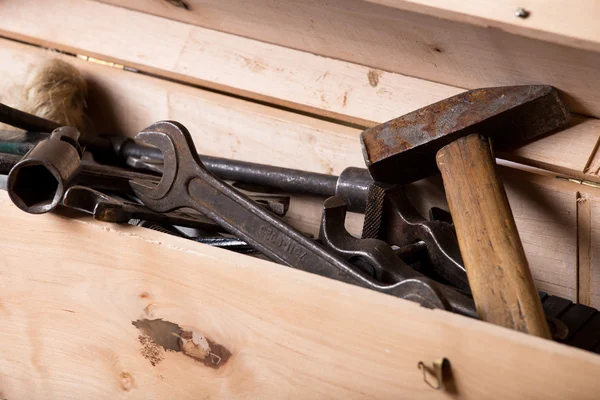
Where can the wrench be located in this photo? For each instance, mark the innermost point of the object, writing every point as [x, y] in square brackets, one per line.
[187, 183]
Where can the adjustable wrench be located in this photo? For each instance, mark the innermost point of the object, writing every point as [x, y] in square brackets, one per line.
[187, 183]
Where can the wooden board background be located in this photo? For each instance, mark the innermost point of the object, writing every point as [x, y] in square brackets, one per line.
[243, 67]
[72, 289]
[392, 39]
[549, 20]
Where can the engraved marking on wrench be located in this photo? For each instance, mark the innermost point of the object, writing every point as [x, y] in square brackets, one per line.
[281, 241]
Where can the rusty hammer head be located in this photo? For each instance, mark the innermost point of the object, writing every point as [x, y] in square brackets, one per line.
[403, 150]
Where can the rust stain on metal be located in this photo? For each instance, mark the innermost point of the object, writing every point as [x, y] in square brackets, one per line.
[511, 115]
[158, 336]
[374, 76]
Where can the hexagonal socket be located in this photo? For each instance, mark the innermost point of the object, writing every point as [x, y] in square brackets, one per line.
[37, 183]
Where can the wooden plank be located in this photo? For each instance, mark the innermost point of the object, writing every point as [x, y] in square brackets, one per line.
[124, 102]
[555, 21]
[324, 86]
[242, 66]
[70, 301]
[391, 39]
[572, 152]
[594, 267]
[546, 218]
[221, 125]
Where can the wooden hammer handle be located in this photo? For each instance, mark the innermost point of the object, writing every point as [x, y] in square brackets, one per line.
[489, 242]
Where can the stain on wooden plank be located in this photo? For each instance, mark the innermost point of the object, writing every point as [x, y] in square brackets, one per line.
[158, 336]
[374, 76]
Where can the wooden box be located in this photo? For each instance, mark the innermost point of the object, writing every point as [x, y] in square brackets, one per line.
[293, 83]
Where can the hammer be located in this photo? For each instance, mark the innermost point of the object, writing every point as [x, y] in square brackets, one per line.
[457, 133]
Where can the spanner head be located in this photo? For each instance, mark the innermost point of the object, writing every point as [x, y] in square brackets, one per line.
[180, 162]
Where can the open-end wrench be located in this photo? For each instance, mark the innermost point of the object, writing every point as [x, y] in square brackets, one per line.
[187, 183]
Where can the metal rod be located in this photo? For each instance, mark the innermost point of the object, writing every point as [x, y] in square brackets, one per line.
[22, 120]
[285, 179]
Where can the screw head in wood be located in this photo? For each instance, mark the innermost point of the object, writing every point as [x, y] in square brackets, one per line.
[521, 13]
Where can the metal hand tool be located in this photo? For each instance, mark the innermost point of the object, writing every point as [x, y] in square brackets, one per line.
[19, 142]
[574, 324]
[450, 133]
[228, 243]
[439, 214]
[23, 120]
[36, 184]
[90, 175]
[391, 217]
[352, 184]
[386, 265]
[187, 183]
[111, 209]
[43, 190]
[374, 257]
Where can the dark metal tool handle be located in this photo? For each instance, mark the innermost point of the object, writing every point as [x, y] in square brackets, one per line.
[245, 219]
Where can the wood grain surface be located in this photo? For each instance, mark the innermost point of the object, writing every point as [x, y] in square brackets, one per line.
[323, 86]
[548, 20]
[593, 273]
[81, 303]
[389, 38]
[490, 245]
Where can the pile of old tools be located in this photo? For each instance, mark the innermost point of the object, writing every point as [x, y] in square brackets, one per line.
[470, 261]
